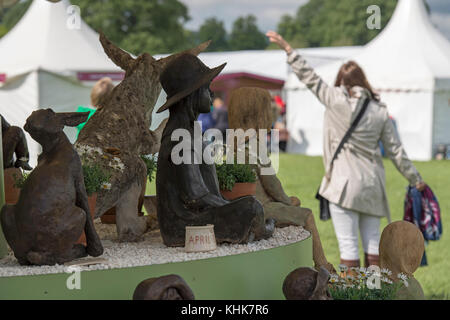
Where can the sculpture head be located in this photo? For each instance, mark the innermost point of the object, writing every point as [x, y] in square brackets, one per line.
[401, 248]
[250, 108]
[44, 123]
[307, 284]
[185, 75]
[170, 287]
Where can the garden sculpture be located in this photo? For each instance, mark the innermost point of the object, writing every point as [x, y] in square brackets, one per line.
[307, 284]
[52, 210]
[14, 142]
[171, 287]
[250, 108]
[188, 192]
[118, 133]
[401, 250]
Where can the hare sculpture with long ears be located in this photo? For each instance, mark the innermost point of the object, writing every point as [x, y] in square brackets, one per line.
[52, 211]
[118, 134]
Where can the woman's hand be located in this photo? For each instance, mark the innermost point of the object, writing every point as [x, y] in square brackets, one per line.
[421, 186]
[278, 39]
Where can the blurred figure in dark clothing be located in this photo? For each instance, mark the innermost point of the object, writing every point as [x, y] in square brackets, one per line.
[220, 116]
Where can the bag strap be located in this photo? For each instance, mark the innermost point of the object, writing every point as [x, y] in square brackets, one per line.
[350, 130]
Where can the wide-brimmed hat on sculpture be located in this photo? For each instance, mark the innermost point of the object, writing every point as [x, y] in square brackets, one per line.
[183, 76]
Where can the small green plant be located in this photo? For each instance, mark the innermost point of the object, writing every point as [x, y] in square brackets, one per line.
[151, 162]
[95, 178]
[229, 174]
[348, 287]
[19, 182]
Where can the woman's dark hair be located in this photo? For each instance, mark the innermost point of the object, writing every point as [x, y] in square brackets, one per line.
[350, 75]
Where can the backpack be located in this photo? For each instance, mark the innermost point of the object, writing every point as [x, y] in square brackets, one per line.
[422, 209]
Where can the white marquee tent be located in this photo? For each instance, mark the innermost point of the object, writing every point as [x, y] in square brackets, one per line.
[409, 64]
[44, 63]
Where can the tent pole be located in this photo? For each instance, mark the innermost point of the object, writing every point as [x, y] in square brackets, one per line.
[3, 247]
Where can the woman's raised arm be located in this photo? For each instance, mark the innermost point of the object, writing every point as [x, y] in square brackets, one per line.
[326, 94]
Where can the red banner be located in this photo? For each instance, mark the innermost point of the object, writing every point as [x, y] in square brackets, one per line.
[95, 76]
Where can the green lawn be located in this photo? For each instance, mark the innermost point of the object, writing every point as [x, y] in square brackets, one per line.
[301, 176]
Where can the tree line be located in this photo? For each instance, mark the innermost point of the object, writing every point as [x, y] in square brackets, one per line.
[157, 26]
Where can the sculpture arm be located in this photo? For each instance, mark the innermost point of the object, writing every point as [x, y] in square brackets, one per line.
[22, 153]
[194, 191]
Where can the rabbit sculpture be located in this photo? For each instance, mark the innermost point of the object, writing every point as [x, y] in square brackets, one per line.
[52, 211]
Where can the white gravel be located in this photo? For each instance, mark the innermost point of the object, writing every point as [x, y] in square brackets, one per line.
[153, 251]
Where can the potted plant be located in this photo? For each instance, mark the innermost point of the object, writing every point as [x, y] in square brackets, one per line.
[109, 217]
[149, 202]
[95, 179]
[365, 284]
[14, 182]
[236, 180]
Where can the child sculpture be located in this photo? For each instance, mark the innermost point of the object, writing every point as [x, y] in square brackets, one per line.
[401, 250]
[250, 108]
[188, 192]
[53, 209]
[14, 142]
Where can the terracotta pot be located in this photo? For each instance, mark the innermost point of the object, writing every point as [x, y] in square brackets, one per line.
[109, 217]
[92, 201]
[11, 193]
[240, 190]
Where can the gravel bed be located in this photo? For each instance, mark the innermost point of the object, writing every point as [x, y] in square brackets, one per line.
[150, 251]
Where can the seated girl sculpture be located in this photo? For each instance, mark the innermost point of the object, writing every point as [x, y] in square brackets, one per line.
[188, 192]
[250, 110]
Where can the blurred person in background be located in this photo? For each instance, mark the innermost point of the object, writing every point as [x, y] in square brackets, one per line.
[100, 91]
[280, 122]
[220, 116]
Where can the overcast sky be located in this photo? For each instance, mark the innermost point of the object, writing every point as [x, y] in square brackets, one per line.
[269, 12]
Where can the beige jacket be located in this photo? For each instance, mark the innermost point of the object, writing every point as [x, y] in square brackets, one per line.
[357, 179]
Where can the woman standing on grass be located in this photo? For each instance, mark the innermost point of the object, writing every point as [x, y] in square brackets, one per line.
[355, 183]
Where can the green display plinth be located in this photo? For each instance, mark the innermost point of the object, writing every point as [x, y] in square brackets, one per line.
[3, 247]
[256, 275]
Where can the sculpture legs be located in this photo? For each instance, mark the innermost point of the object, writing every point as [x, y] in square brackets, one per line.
[71, 230]
[290, 215]
[94, 246]
[16, 142]
[248, 223]
[22, 249]
[48, 258]
[130, 227]
[239, 221]
[8, 224]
